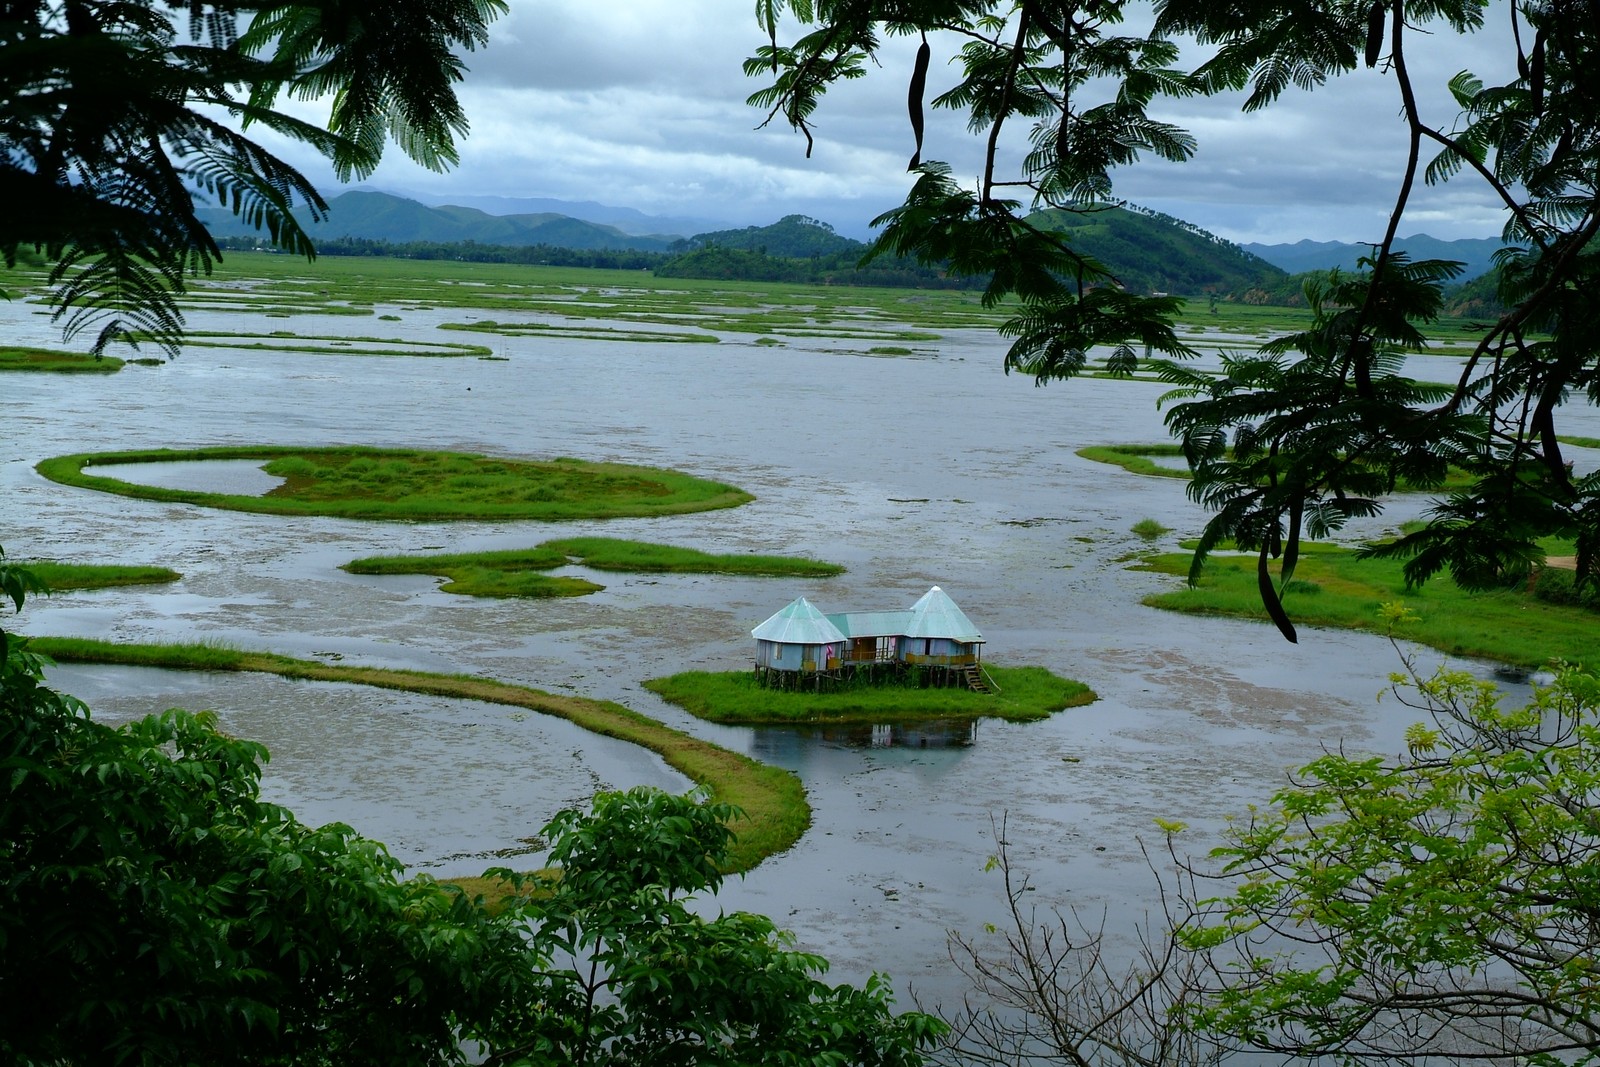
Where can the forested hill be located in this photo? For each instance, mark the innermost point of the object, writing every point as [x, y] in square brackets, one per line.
[1146, 252]
[381, 217]
[1151, 252]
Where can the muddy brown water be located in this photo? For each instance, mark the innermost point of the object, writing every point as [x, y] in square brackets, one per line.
[910, 472]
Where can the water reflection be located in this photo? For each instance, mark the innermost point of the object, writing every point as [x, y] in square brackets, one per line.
[783, 743]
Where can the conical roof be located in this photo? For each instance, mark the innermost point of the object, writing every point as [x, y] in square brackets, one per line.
[936, 615]
[799, 624]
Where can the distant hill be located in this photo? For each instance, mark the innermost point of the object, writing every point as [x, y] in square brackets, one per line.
[1305, 256]
[1146, 251]
[628, 220]
[382, 217]
[1151, 252]
[791, 237]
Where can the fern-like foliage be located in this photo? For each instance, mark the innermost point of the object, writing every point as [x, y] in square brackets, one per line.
[109, 130]
[1318, 426]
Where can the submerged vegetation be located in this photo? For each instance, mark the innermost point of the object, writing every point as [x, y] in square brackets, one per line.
[414, 485]
[1026, 693]
[516, 572]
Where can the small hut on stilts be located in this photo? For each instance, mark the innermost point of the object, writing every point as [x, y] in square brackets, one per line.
[933, 641]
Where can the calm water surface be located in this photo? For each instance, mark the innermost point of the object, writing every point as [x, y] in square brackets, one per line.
[910, 472]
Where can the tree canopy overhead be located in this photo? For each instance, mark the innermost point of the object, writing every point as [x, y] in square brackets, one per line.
[1316, 427]
[118, 114]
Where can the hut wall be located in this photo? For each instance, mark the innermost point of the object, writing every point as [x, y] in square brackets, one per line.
[777, 656]
[937, 650]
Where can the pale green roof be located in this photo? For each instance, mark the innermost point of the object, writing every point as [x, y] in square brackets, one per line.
[798, 624]
[936, 615]
[872, 623]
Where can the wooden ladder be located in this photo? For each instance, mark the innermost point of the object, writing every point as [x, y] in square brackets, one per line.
[975, 680]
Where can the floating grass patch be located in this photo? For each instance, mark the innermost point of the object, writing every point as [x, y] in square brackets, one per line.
[411, 485]
[1026, 693]
[51, 361]
[1333, 587]
[62, 577]
[592, 333]
[1141, 459]
[321, 344]
[1150, 529]
[773, 800]
[642, 557]
[515, 573]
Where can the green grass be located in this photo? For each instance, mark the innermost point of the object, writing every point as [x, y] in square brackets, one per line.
[334, 344]
[1150, 529]
[512, 573]
[1026, 693]
[642, 557]
[412, 485]
[1136, 459]
[515, 573]
[773, 800]
[45, 359]
[1332, 587]
[62, 577]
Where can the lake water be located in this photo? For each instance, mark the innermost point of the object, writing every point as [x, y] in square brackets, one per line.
[910, 472]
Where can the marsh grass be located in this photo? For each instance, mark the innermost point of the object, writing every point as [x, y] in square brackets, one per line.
[1026, 693]
[1150, 529]
[1332, 587]
[412, 485]
[773, 800]
[515, 573]
[1136, 459]
[512, 573]
[50, 360]
[643, 557]
[63, 577]
[280, 341]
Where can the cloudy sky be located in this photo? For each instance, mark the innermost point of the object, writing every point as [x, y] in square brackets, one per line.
[641, 104]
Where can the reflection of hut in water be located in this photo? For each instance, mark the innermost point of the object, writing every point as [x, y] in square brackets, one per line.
[933, 641]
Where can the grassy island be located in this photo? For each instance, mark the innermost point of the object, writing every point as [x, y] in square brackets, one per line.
[516, 572]
[1140, 459]
[773, 800]
[47, 359]
[419, 486]
[1334, 587]
[61, 577]
[1026, 693]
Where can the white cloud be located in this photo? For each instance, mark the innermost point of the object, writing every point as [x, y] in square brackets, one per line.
[643, 105]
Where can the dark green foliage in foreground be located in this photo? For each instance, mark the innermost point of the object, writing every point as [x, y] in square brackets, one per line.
[737, 697]
[406, 484]
[640, 977]
[154, 910]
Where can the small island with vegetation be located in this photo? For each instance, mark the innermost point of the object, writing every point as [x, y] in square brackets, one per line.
[1024, 694]
[418, 486]
[517, 572]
